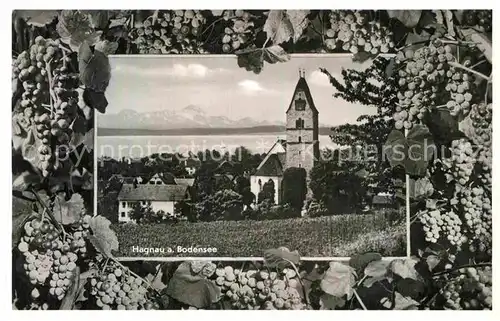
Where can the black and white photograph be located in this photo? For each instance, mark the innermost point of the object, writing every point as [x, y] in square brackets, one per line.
[197, 157]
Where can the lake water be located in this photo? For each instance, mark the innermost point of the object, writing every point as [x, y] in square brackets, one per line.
[141, 146]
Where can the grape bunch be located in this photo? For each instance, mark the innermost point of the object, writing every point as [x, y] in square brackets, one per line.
[470, 289]
[462, 160]
[48, 257]
[477, 209]
[172, 31]
[239, 31]
[426, 81]
[354, 31]
[117, 289]
[62, 272]
[254, 290]
[481, 116]
[438, 222]
[49, 101]
[481, 18]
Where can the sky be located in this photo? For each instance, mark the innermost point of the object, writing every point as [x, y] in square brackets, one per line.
[220, 88]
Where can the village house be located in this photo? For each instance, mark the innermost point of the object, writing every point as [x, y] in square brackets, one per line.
[161, 197]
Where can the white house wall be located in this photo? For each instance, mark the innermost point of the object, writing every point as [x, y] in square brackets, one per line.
[124, 208]
[255, 188]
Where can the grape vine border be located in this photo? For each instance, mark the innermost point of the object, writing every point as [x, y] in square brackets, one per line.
[59, 203]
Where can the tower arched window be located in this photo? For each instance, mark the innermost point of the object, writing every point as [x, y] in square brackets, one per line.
[299, 123]
[300, 139]
[260, 184]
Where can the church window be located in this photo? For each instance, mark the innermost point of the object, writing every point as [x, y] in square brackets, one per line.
[260, 185]
[300, 139]
[300, 104]
[299, 123]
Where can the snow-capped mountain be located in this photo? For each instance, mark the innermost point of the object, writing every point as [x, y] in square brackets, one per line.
[191, 116]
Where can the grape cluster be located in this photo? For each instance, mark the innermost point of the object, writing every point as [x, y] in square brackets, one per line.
[239, 30]
[481, 116]
[426, 81]
[354, 31]
[49, 98]
[172, 31]
[50, 259]
[471, 289]
[117, 289]
[462, 161]
[481, 18]
[477, 209]
[254, 290]
[62, 272]
[437, 222]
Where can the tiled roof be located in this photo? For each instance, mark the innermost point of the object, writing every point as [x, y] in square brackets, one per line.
[382, 199]
[147, 192]
[185, 181]
[272, 166]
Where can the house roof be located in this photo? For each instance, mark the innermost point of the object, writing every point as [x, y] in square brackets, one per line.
[302, 86]
[146, 192]
[383, 199]
[185, 181]
[166, 178]
[271, 166]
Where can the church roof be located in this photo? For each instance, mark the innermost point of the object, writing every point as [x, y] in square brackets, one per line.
[272, 166]
[302, 86]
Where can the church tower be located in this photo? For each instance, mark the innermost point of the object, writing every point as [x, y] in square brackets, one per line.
[302, 132]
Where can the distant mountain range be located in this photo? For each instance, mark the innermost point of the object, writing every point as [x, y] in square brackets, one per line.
[189, 117]
[271, 129]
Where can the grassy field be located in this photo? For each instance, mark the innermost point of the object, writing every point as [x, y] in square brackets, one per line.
[341, 235]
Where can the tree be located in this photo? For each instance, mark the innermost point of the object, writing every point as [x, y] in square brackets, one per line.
[268, 192]
[294, 187]
[338, 187]
[185, 209]
[141, 213]
[370, 87]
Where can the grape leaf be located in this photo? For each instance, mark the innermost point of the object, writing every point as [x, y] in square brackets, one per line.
[193, 290]
[362, 56]
[415, 41]
[411, 288]
[400, 302]
[95, 70]
[79, 127]
[360, 261]
[280, 258]
[432, 261]
[339, 280]
[330, 302]
[395, 148]
[409, 18]
[37, 18]
[68, 212]
[21, 212]
[98, 18]
[421, 149]
[391, 67]
[448, 15]
[466, 126]
[107, 47]
[253, 59]
[103, 238]
[377, 268]
[281, 25]
[25, 180]
[95, 99]
[443, 126]
[370, 281]
[421, 188]
[71, 294]
[75, 28]
[405, 268]
[483, 44]
[275, 54]
[84, 179]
